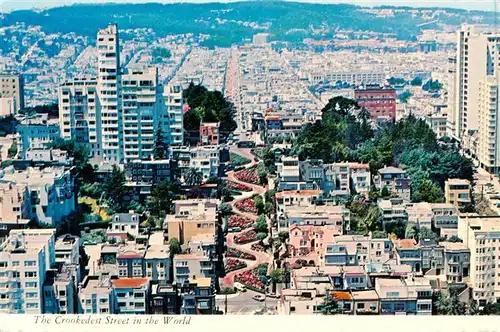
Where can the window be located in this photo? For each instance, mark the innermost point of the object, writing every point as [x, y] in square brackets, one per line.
[30, 274]
[392, 294]
[361, 306]
[31, 285]
[29, 263]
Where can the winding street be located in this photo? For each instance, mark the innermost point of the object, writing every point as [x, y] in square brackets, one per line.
[261, 257]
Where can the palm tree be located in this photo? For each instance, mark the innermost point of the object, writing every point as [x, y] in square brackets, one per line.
[371, 220]
[193, 177]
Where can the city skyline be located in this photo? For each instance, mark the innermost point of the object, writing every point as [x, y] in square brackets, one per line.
[486, 5]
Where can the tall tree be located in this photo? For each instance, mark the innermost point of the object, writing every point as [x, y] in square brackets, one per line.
[330, 306]
[162, 197]
[115, 189]
[160, 148]
[193, 177]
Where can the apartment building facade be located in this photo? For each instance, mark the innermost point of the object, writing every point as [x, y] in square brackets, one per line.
[12, 86]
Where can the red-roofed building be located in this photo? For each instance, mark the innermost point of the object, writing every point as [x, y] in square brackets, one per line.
[132, 294]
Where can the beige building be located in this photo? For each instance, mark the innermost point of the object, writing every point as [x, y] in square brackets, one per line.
[192, 217]
[12, 85]
[481, 234]
[458, 192]
[488, 145]
[187, 266]
[96, 295]
[157, 259]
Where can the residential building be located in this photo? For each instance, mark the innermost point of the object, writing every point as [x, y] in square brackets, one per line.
[198, 297]
[80, 113]
[393, 211]
[59, 292]
[310, 240]
[7, 106]
[15, 207]
[35, 133]
[130, 260]
[481, 234]
[357, 250]
[24, 259]
[260, 39]
[335, 217]
[396, 180]
[142, 108]
[157, 259]
[50, 189]
[206, 160]
[96, 295]
[458, 192]
[109, 92]
[457, 261]
[379, 101]
[475, 61]
[365, 302]
[194, 265]
[173, 121]
[12, 86]
[395, 298]
[142, 175]
[360, 177]
[67, 251]
[164, 299]
[288, 198]
[209, 133]
[132, 295]
[445, 219]
[124, 225]
[419, 214]
[409, 252]
[192, 217]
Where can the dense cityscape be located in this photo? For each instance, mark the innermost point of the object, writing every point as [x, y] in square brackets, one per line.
[270, 170]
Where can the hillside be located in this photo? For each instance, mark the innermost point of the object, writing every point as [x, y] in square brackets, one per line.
[231, 22]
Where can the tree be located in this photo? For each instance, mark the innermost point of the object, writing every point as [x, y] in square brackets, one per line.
[12, 151]
[160, 147]
[193, 177]
[371, 221]
[259, 204]
[114, 188]
[261, 225]
[449, 304]
[276, 277]
[417, 81]
[330, 306]
[175, 247]
[425, 233]
[385, 192]
[411, 231]
[283, 236]
[454, 238]
[491, 309]
[162, 196]
[225, 209]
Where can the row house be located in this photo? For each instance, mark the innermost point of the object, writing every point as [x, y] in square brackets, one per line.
[408, 296]
[143, 175]
[440, 216]
[396, 180]
[123, 226]
[357, 250]
[336, 217]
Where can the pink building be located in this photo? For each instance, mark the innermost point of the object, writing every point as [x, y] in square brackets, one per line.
[209, 133]
[309, 240]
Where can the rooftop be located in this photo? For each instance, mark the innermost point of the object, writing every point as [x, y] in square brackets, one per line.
[391, 170]
[130, 282]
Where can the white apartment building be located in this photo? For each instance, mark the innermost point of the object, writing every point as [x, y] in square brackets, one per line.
[12, 86]
[80, 113]
[7, 106]
[481, 234]
[172, 122]
[488, 150]
[35, 133]
[67, 249]
[451, 99]
[15, 207]
[157, 259]
[127, 223]
[475, 61]
[206, 159]
[59, 292]
[24, 259]
[50, 191]
[196, 265]
[109, 92]
[142, 106]
[96, 295]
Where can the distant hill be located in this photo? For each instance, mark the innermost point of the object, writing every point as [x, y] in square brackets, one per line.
[231, 22]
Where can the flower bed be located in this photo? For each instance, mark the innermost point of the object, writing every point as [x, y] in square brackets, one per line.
[246, 237]
[250, 279]
[233, 264]
[248, 175]
[238, 186]
[239, 221]
[233, 252]
[247, 205]
[257, 247]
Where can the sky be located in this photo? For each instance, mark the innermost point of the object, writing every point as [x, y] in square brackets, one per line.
[9, 5]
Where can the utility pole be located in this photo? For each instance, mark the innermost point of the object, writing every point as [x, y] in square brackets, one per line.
[225, 304]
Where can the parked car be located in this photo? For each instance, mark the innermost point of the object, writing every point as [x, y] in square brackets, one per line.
[259, 297]
[239, 287]
[272, 295]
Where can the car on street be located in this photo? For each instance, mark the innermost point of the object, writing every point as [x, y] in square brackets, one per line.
[272, 295]
[259, 297]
